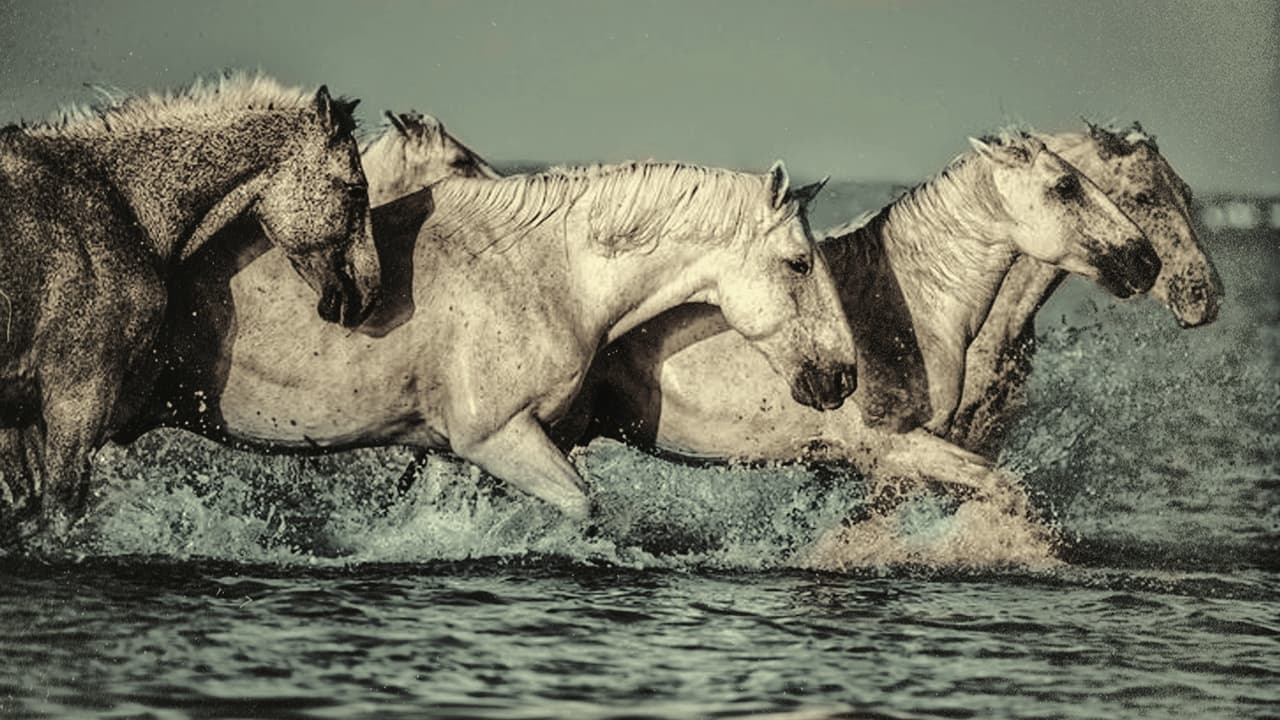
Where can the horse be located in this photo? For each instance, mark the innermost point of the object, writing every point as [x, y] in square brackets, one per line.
[922, 273]
[1127, 165]
[100, 208]
[412, 150]
[498, 294]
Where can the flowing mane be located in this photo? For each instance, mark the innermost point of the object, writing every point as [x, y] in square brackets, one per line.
[204, 101]
[957, 193]
[936, 221]
[626, 207]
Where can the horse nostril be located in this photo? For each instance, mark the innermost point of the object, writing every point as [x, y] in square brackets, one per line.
[847, 380]
[1150, 259]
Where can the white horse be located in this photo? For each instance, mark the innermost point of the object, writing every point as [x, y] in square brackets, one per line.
[922, 274]
[497, 295]
[1128, 166]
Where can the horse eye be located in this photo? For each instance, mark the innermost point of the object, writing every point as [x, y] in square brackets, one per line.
[1144, 198]
[799, 265]
[1067, 187]
[357, 190]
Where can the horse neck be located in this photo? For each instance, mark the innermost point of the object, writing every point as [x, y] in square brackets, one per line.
[622, 291]
[620, 250]
[916, 281]
[1025, 289]
[947, 247]
[222, 171]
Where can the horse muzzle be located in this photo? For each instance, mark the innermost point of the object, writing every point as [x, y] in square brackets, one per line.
[1128, 269]
[824, 388]
[342, 301]
[1193, 298]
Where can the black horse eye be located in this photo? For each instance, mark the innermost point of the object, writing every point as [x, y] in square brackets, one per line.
[1144, 198]
[799, 265]
[357, 190]
[1067, 187]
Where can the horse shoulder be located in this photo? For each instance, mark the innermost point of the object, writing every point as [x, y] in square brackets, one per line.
[82, 249]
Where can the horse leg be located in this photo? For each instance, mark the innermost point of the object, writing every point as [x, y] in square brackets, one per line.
[75, 426]
[18, 481]
[920, 454]
[521, 454]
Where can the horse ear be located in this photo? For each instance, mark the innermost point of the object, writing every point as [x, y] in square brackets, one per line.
[1010, 155]
[806, 194]
[431, 123]
[323, 101]
[982, 148]
[395, 121]
[1034, 145]
[777, 183]
[335, 113]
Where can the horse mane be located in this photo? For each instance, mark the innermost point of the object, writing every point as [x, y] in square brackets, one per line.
[960, 201]
[222, 97]
[628, 206]
[953, 188]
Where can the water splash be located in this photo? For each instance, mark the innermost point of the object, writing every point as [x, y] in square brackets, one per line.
[175, 495]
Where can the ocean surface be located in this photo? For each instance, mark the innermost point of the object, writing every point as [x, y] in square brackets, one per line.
[216, 583]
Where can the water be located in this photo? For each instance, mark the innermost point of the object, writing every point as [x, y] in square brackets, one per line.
[215, 584]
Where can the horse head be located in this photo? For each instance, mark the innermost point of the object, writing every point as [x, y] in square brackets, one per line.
[781, 297]
[1059, 216]
[1128, 166]
[314, 206]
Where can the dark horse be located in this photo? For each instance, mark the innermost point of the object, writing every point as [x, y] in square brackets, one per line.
[96, 213]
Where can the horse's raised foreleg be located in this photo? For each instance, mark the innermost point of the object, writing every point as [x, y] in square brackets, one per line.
[521, 454]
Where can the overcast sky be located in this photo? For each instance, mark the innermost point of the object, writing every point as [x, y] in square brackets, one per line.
[871, 89]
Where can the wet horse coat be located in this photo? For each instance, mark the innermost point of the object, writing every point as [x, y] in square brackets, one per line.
[97, 211]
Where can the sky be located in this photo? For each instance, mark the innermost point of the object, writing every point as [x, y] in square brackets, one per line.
[860, 89]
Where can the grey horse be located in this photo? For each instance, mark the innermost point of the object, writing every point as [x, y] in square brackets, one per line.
[99, 210]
